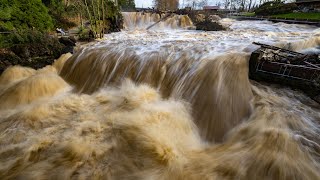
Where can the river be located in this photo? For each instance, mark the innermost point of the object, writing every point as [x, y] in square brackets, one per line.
[167, 103]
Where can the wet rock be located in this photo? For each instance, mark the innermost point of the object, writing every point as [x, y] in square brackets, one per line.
[207, 22]
[214, 18]
[208, 25]
[35, 55]
[67, 41]
[200, 18]
[8, 58]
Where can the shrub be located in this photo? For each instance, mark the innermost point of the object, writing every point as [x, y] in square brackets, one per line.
[60, 13]
[33, 41]
[85, 34]
[24, 14]
[275, 7]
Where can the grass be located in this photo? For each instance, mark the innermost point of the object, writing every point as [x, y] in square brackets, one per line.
[249, 14]
[300, 15]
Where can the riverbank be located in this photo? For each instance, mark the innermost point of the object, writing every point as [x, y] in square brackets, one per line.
[278, 19]
[299, 16]
[289, 16]
[37, 51]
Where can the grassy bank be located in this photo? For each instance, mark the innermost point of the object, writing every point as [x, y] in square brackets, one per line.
[299, 15]
[249, 14]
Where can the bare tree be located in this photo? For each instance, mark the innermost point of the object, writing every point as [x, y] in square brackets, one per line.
[164, 5]
[196, 3]
[249, 5]
[95, 11]
[227, 4]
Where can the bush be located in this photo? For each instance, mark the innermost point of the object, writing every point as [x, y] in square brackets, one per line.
[34, 42]
[275, 7]
[85, 34]
[21, 37]
[24, 14]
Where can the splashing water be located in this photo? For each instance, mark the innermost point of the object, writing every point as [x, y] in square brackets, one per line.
[192, 114]
[141, 21]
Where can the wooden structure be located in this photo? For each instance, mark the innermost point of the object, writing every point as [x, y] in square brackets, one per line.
[281, 66]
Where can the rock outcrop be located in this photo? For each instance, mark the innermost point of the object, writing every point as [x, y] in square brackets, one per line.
[207, 22]
[35, 55]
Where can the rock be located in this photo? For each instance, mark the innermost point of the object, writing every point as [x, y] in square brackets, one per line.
[215, 18]
[35, 55]
[200, 18]
[67, 41]
[209, 25]
[21, 50]
[8, 58]
[68, 49]
[207, 22]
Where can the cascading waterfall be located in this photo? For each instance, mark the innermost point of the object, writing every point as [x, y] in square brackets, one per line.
[171, 104]
[140, 21]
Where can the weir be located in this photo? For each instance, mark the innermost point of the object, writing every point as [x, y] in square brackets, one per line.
[142, 21]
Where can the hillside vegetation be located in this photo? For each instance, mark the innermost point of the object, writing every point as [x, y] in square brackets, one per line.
[28, 27]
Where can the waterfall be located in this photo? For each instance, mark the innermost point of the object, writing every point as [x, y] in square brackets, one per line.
[168, 103]
[140, 21]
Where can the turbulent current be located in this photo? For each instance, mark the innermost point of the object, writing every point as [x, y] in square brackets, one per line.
[167, 103]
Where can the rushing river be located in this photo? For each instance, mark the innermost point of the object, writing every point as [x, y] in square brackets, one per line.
[167, 103]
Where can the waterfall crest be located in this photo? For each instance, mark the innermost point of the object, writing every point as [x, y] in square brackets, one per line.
[141, 21]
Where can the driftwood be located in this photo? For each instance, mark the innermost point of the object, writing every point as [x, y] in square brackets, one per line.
[162, 19]
[273, 53]
[281, 66]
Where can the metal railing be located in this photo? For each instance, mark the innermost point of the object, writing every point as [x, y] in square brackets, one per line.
[285, 70]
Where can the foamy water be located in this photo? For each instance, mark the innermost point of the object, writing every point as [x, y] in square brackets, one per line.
[238, 38]
[168, 103]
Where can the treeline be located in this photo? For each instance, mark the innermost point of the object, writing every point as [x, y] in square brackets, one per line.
[273, 6]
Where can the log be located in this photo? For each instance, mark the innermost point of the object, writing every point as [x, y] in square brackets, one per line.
[162, 19]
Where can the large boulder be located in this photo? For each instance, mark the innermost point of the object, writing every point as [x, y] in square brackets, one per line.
[207, 22]
[210, 23]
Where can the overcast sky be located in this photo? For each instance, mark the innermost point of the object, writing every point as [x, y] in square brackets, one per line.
[148, 3]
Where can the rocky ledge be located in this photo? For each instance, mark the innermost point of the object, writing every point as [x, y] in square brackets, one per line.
[36, 55]
[207, 22]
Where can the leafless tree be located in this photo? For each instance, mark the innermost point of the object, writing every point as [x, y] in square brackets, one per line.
[196, 3]
[164, 5]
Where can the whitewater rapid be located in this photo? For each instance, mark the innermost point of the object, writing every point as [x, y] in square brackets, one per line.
[168, 103]
[238, 38]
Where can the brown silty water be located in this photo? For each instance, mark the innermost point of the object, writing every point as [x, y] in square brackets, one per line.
[168, 103]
